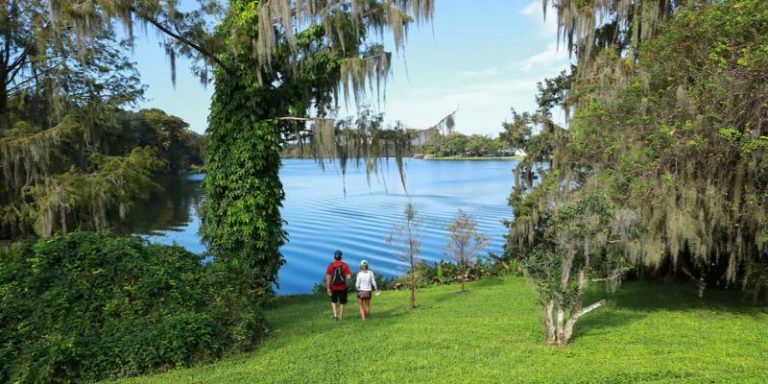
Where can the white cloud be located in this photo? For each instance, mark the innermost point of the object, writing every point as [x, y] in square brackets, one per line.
[546, 26]
[483, 105]
[480, 73]
[553, 57]
[533, 8]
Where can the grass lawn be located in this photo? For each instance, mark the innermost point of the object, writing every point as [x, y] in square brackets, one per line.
[493, 334]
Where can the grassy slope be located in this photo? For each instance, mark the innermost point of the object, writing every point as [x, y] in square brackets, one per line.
[646, 334]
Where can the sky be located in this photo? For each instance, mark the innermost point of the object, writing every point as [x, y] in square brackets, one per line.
[482, 57]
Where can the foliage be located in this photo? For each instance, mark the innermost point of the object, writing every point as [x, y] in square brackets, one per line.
[175, 143]
[661, 168]
[446, 272]
[649, 332]
[58, 180]
[689, 127]
[465, 243]
[479, 145]
[453, 144]
[590, 28]
[88, 306]
[64, 160]
[575, 242]
[517, 132]
[47, 71]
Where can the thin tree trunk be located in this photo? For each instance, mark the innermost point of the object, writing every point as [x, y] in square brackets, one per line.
[413, 266]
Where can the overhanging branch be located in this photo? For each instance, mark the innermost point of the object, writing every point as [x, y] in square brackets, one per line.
[185, 41]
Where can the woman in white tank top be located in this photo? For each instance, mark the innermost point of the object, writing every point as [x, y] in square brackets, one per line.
[365, 284]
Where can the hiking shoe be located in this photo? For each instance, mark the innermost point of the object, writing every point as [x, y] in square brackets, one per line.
[335, 318]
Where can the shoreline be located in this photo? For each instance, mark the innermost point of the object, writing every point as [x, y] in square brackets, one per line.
[472, 158]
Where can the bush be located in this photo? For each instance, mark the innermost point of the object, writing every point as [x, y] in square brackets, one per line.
[89, 306]
[446, 272]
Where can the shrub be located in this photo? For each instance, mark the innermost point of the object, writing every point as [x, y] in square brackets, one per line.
[88, 306]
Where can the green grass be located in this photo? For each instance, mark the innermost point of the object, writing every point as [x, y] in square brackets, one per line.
[493, 334]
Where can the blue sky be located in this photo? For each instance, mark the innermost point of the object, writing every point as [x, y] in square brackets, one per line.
[484, 56]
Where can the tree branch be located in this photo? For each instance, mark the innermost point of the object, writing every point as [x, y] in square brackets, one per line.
[185, 41]
[16, 67]
[589, 309]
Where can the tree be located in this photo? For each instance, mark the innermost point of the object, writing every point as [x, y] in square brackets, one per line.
[465, 242]
[453, 144]
[517, 133]
[479, 145]
[58, 99]
[577, 239]
[642, 179]
[652, 148]
[408, 245]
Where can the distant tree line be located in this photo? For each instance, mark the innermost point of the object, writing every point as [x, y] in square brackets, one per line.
[180, 148]
[476, 145]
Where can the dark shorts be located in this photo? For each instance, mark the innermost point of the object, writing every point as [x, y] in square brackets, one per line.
[364, 294]
[339, 296]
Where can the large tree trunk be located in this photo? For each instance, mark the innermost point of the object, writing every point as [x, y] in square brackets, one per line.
[560, 330]
[549, 323]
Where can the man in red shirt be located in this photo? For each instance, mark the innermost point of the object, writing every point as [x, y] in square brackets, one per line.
[336, 277]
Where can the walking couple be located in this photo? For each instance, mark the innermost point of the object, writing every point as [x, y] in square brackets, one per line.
[336, 277]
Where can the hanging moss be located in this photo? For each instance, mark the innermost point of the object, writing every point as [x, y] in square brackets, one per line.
[678, 138]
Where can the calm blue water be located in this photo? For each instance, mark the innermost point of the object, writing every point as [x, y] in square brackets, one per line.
[321, 217]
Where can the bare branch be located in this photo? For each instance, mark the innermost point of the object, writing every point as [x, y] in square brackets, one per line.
[589, 308]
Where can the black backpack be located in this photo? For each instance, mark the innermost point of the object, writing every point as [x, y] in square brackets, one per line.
[338, 275]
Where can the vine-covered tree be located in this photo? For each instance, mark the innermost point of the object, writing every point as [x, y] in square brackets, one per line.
[274, 61]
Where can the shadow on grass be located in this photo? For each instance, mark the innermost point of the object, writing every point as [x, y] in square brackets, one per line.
[487, 282]
[635, 300]
[648, 297]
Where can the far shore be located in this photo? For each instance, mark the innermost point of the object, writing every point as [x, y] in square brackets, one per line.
[475, 158]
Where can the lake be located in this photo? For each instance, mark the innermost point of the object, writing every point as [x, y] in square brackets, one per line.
[322, 217]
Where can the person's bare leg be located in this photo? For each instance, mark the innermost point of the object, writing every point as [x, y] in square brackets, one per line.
[333, 307]
[361, 308]
[341, 311]
[367, 306]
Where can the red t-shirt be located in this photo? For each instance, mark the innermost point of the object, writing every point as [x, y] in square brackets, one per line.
[344, 268]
